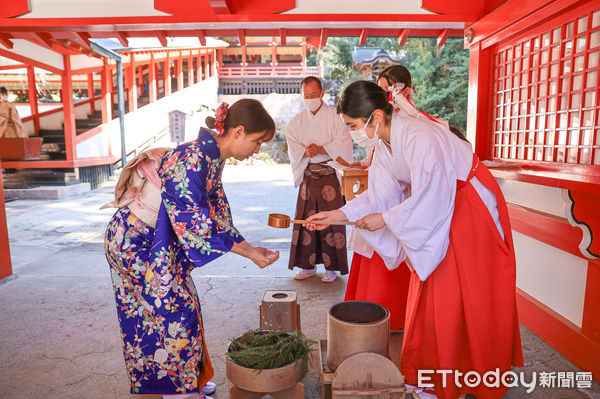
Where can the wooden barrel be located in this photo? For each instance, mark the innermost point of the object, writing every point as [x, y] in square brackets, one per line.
[356, 327]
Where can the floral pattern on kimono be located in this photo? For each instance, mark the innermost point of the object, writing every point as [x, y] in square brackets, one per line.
[158, 306]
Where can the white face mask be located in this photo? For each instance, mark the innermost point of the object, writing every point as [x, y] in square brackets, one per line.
[361, 137]
[4, 97]
[312, 104]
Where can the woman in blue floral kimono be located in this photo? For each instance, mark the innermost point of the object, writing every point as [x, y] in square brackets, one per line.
[157, 304]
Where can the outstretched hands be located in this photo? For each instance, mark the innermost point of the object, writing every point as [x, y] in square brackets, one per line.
[330, 216]
[261, 256]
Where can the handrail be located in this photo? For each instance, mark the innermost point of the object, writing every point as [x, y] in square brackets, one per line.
[60, 108]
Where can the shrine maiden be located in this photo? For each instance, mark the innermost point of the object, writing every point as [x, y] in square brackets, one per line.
[454, 232]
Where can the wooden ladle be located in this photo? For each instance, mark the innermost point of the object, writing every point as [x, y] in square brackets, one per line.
[281, 221]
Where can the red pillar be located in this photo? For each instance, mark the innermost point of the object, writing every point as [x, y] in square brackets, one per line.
[220, 57]
[5, 263]
[304, 55]
[244, 56]
[91, 92]
[478, 111]
[68, 110]
[132, 92]
[198, 67]
[180, 72]
[190, 63]
[214, 63]
[206, 59]
[106, 93]
[152, 80]
[33, 100]
[167, 75]
[140, 79]
[274, 55]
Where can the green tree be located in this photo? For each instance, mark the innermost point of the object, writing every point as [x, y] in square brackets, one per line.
[439, 74]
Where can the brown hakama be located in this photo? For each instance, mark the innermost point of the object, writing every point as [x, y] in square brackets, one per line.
[319, 191]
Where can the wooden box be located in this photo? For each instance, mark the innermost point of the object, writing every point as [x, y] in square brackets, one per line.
[20, 148]
[279, 310]
[354, 182]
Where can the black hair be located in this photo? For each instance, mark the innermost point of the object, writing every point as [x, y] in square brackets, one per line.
[312, 79]
[361, 98]
[457, 132]
[250, 114]
[396, 74]
[3, 90]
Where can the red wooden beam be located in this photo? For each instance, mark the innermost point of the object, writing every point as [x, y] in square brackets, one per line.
[402, 36]
[84, 39]
[221, 6]
[5, 40]
[442, 37]
[201, 36]
[363, 37]
[46, 38]
[282, 36]
[5, 264]
[323, 39]
[242, 37]
[33, 99]
[14, 8]
[162, 37]
[122, 37]
[30, 61]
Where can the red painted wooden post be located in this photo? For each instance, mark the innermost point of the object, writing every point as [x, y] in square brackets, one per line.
[140, 79]
[33, 100]
[68, 110]
[207, 65]
[273, 55]
[304, 55]
[106, 89]
[244, 56]
[132, 92]
[167, 76]
[478, 110]
[199, 67]
[90, 86]
[214, 63]
[5, 263]
[180, 72]
[190, 65]
[152, 80]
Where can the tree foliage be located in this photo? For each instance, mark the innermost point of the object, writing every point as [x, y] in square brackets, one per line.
[439, 74]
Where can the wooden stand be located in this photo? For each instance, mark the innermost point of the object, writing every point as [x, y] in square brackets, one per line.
[353, 179]
[327, 373]
[279, 310]
[296, 392]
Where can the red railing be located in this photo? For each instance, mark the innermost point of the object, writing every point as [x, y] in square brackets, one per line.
[269, 71]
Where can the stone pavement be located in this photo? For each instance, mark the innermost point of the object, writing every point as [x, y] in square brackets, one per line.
[59, 335]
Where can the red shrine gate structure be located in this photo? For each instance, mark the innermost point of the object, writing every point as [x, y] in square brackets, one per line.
[533, 113]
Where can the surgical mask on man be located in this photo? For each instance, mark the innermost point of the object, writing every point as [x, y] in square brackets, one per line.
[312, 104]
[4, 97]
[361, 137]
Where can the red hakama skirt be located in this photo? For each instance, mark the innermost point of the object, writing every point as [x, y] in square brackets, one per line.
[464, 315]
[370, 280]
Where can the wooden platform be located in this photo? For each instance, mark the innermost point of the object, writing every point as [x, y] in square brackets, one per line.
[327, 373]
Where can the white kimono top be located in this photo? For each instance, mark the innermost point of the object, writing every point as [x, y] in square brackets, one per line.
[326, 129]
[426, 161]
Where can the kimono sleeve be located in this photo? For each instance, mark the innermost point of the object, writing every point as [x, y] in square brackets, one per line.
[221, 213]
[422, 222]
[341, 142]
[296, 152]
[185, 214]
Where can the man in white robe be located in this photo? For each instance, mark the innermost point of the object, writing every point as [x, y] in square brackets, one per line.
[314, 137]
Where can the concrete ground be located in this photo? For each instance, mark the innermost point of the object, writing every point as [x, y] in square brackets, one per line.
[59, 336]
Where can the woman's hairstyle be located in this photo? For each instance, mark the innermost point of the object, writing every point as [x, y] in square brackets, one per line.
[248, 113]
[396, 74]
[361, 98]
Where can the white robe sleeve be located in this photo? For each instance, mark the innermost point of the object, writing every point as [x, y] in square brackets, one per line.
[341, 143]
[422, 222]
[296, 152]
[384, 192]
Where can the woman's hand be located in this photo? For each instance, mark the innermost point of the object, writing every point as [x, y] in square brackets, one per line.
[330, 216]
[263, 257]
[371, 222]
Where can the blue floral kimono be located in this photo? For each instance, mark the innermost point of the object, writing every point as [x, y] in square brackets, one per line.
[157, 304]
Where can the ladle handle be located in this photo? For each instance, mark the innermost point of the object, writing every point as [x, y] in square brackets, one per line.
[322, 222]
